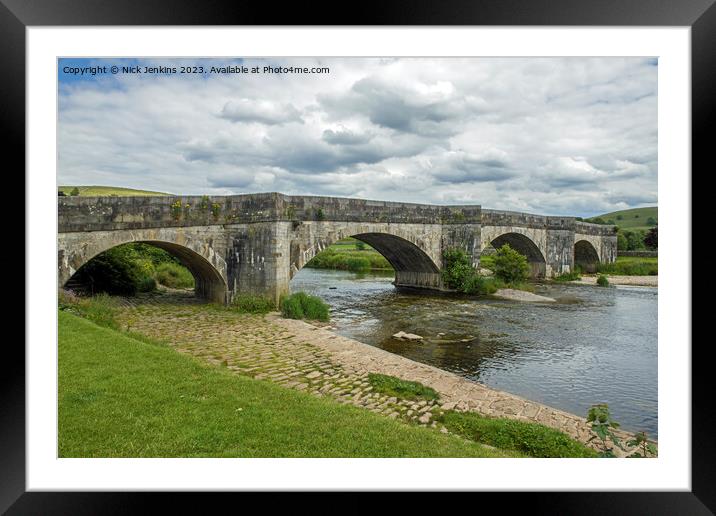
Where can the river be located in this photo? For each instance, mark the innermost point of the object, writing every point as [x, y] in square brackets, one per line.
[596, 345]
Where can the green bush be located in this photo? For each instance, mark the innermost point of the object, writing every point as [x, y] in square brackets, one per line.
[114, 271]
[251, 304]
[457, 268]
[530, 438]
[173, 275]
[75, 191]
[147, 284]
[510, 266]
[481, 286]
[602, 281]
[303, 306]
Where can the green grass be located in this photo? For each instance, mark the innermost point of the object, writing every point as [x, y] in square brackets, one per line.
[173, 275]
[393, 386]
[531, 439]
[101, 191]
[345, 255]
[632, 219]
[119, 397]
[251, 304]
[303, 306]
[568, 276]
[630, 266]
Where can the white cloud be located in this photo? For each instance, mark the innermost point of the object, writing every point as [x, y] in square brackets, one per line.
[547, 135]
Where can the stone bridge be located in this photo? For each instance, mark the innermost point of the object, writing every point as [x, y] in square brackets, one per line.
[256, 243]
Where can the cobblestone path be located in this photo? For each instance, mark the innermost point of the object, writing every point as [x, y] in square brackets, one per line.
[305, 357]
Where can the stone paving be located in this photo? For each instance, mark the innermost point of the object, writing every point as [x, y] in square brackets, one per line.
[313, 359]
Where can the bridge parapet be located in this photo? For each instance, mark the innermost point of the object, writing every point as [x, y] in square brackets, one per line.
[141, 212]
[587, 228]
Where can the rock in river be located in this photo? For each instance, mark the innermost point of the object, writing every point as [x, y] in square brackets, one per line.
[401, 335]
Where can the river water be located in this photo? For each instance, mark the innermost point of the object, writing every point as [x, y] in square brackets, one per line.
[596, 345]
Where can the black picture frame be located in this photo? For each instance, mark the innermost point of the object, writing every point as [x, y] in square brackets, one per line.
[17, 15]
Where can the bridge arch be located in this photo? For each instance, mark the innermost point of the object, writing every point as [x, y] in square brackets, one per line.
[207, 268]
[414, 253]
[525, 246]
[586, 256]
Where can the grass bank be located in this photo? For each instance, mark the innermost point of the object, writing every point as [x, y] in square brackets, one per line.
[350, 255]
[631, 266]
[120, 397]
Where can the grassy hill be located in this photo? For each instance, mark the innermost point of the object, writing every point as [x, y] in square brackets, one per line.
[100, 191]
[632, 219]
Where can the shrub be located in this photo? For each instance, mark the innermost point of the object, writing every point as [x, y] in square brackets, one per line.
[173, 275]
[360, 245]
[479, 285]
[75, 191]
[510, 265]
[457, 268]
[112, 272]
[651, 240]
[251, 304]
[147, 284]
[303, 306]
[602, 281]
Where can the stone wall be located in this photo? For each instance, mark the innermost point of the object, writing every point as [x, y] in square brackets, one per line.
[255, 243]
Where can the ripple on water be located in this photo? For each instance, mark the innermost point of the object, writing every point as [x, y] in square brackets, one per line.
[593, 345]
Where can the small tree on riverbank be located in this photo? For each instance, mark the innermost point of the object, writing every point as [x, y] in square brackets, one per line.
[510, 265]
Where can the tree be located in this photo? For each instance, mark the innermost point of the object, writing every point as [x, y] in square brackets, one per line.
[510, 265]
[651, 221]
[635, 240]
[651, 238]
[622, 243]
[75, 191]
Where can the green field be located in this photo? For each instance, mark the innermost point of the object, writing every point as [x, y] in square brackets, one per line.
[347, 255]
[101, 191]
[631, 266]
[120, 397]
[632, 219]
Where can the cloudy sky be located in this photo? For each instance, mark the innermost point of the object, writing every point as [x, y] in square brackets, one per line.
[560, 136]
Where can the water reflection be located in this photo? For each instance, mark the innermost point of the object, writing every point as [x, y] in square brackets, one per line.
[593, 345]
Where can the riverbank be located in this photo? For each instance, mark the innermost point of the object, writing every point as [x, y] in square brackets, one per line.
[121, 397]
[316, 360]
[642, 281]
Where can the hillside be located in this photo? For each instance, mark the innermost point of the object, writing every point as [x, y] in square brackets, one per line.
[100, 191]
[632, 219]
